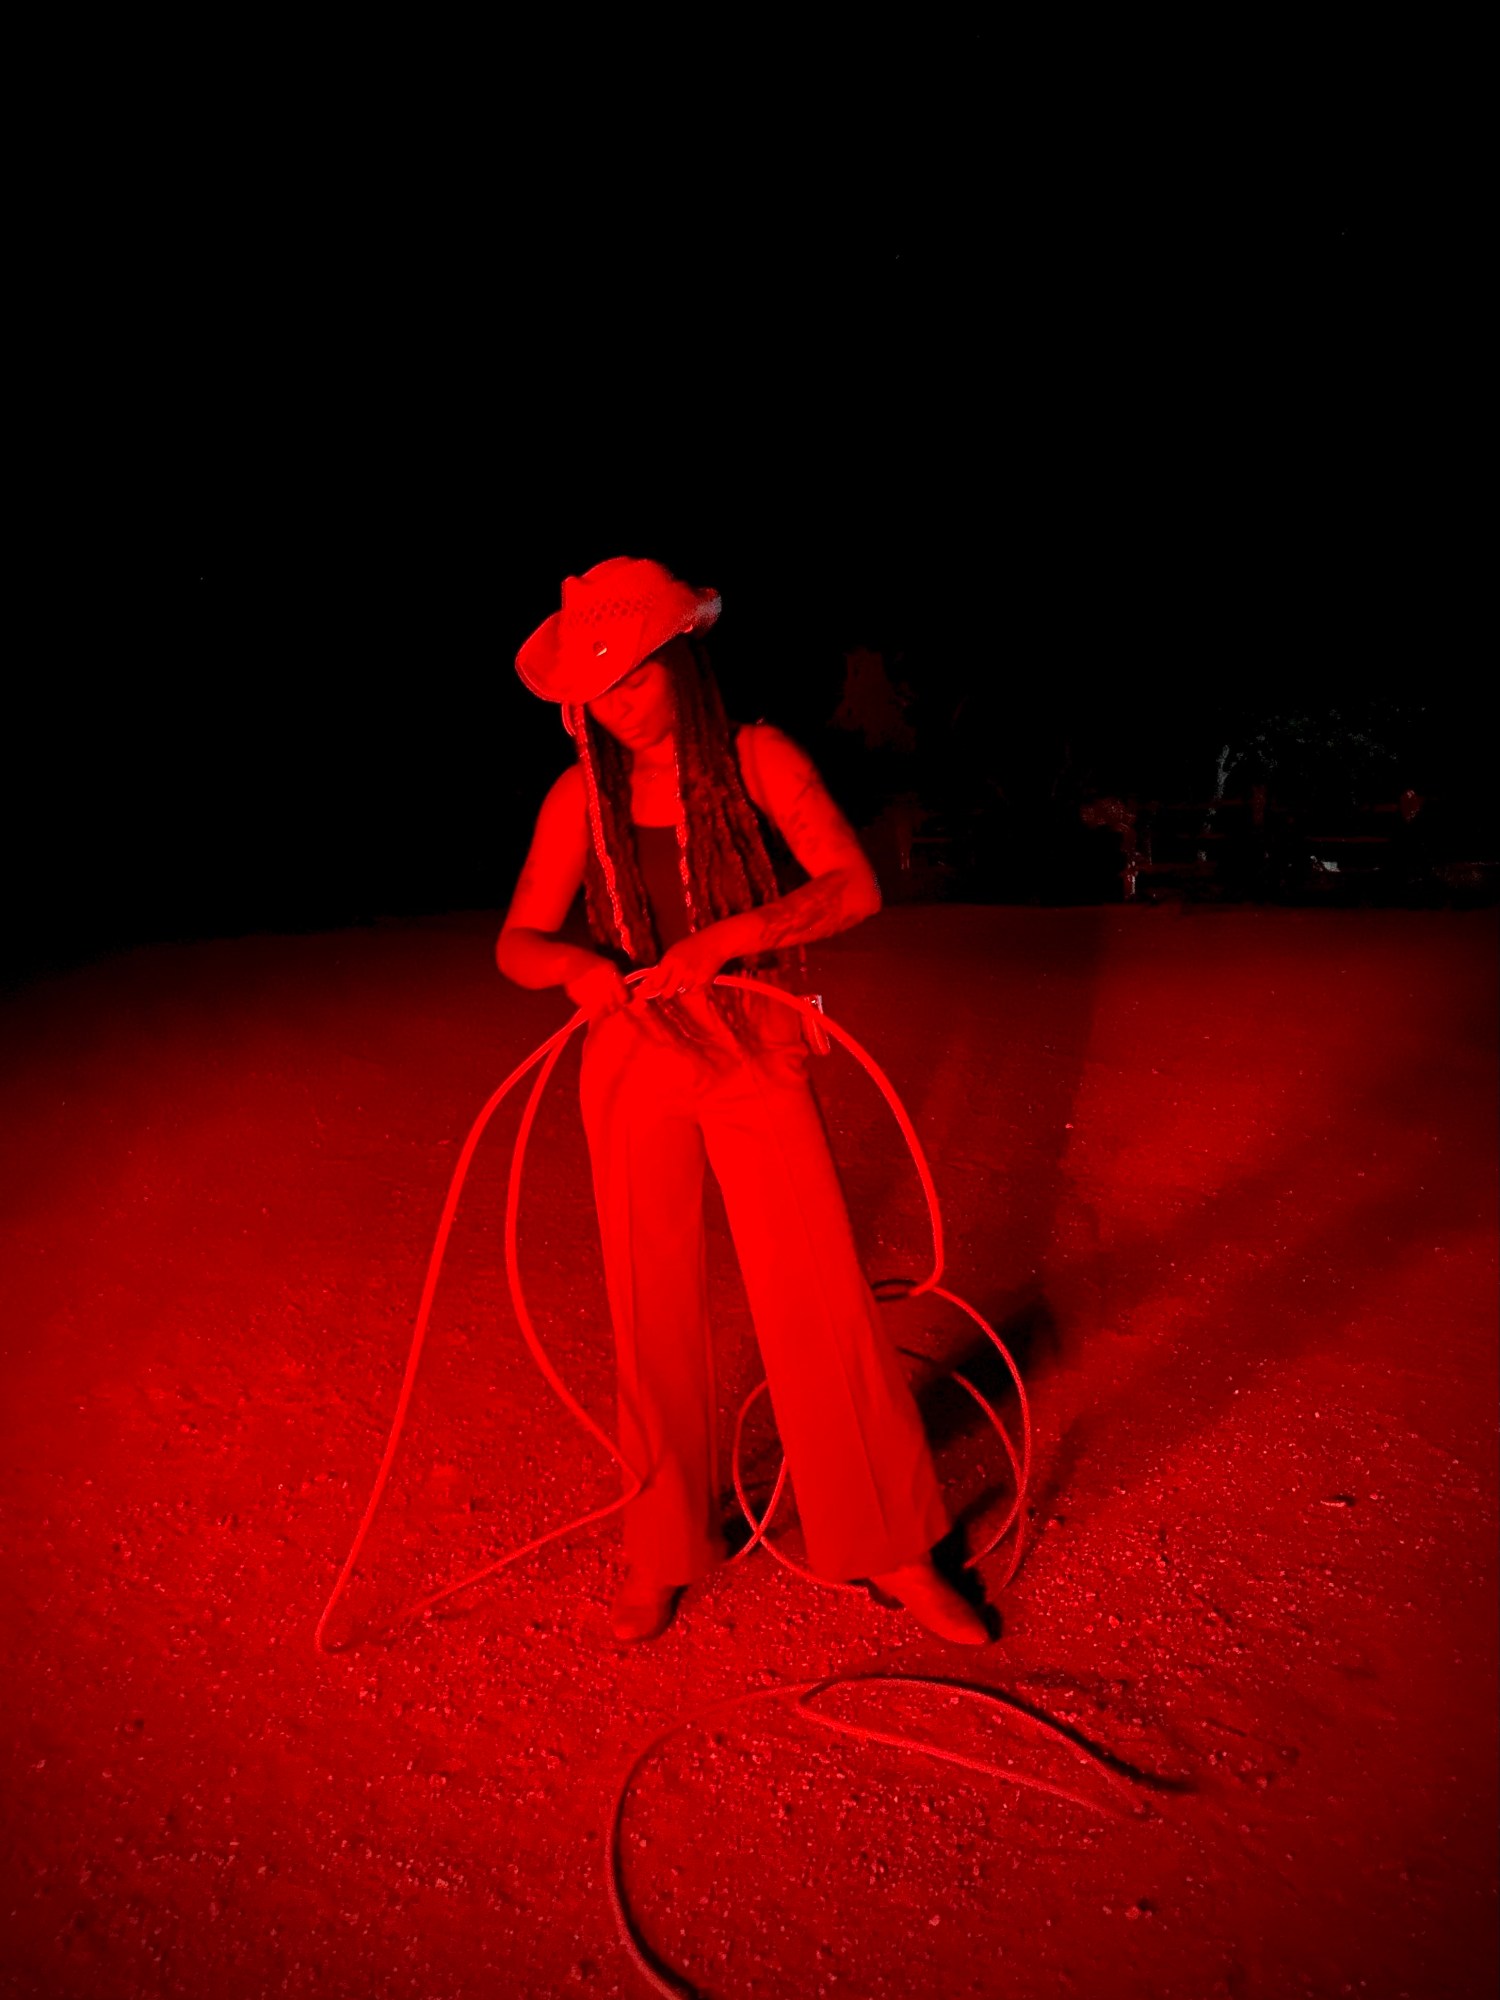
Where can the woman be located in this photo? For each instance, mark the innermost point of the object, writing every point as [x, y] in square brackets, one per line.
[658, 822]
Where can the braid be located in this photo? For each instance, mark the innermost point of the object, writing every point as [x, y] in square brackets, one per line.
[619, 908]
[606, 905]
[725, 865]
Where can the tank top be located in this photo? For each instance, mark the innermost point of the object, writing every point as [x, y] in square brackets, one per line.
[656, 847]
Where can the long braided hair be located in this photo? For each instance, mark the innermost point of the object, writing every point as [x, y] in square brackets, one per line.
[723, 861]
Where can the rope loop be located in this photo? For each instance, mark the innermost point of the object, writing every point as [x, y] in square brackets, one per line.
[544, 1060]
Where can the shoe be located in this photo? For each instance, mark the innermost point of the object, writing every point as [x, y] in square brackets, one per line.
[933, 1602]
[642, 1610]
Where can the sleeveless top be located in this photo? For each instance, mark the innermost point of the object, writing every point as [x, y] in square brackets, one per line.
[656, 848]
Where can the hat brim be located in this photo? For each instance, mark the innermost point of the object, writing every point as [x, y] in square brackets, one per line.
[557, 666]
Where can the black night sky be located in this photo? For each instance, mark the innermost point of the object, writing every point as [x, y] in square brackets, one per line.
[1111, 458]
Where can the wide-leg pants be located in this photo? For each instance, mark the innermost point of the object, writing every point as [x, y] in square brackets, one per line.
[860, 1466]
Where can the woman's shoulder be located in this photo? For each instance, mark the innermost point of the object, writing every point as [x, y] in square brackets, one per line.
[763, 751]
[565, 789]
[565, 802]
[764, 735]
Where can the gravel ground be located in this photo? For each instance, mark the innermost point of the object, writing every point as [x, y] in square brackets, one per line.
[1225, 1178]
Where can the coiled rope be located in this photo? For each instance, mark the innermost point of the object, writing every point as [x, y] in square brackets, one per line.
[544, 1060]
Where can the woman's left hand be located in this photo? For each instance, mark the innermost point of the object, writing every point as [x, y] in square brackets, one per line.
[686, 965]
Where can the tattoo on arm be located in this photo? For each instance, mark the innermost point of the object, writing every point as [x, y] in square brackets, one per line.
[839, 893]
[800, 818]
[827, 904]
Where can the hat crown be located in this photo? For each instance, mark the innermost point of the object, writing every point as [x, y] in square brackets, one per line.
[617, 591]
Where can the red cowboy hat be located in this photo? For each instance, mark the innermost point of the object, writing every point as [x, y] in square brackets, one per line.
[613, 616]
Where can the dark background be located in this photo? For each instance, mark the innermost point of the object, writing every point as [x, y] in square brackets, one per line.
[1118, 449]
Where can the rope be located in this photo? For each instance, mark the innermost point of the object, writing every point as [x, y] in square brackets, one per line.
[1121, 1800]
[544, 1060]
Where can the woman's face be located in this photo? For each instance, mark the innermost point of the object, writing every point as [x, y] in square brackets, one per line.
[638, 710]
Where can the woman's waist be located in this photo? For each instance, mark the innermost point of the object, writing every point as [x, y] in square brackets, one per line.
[719, 1023]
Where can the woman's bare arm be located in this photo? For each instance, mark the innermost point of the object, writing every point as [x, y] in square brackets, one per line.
[526, 951]
[844, 889]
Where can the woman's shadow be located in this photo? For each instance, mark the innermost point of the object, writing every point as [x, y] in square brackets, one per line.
[990, 1009]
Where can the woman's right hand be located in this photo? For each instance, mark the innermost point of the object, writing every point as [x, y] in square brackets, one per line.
[599, 989]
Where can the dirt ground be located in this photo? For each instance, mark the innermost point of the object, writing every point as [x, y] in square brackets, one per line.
[1225, 1178]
